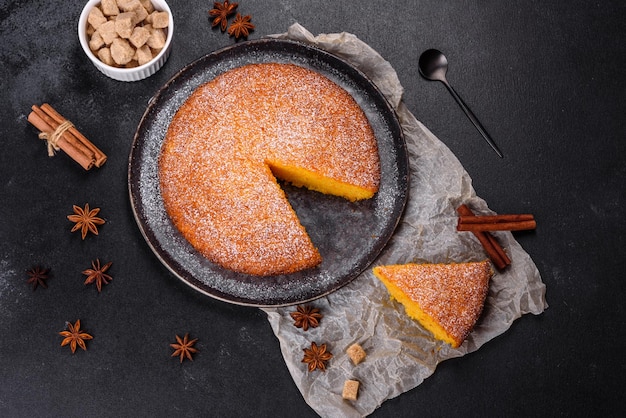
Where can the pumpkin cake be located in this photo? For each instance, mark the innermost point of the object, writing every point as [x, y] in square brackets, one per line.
[447, 299]
[235, 135]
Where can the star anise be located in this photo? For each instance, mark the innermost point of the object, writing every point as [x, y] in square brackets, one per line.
[97, 274]
[37, 276]
[241, 26]
[86, 220]
[184, 347]
[305, 317]
[316, 357]
[220, 13]
[74, 336]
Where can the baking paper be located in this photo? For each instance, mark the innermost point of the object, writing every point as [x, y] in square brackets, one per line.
[400, 353]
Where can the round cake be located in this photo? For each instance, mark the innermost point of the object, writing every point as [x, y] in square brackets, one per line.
[231, 140]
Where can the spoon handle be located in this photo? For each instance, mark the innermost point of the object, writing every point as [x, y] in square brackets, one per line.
[474, 119]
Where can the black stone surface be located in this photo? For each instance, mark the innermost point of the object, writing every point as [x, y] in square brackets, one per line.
[545, 78]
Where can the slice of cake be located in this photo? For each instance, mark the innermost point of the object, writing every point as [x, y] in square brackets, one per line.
[446, 299]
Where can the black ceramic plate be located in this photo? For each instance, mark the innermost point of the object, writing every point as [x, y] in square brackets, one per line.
[348, 235]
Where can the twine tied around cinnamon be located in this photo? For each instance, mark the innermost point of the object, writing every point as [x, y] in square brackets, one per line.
[61, 134]
[53, 137]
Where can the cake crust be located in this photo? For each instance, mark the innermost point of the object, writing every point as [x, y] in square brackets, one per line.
[234, 136]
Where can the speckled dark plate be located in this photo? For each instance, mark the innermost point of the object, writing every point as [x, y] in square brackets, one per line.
[348, 235]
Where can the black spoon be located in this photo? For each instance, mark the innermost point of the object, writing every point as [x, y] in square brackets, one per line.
[433, 65]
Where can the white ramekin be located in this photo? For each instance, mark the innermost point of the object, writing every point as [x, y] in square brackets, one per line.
[127, 74]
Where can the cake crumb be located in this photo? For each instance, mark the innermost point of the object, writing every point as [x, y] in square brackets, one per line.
[356, 353]
[350, 390]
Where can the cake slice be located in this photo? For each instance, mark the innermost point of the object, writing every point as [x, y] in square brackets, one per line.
[446, 299]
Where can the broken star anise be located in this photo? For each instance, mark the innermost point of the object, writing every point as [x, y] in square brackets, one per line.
[86, 220]
[74, 336]
[98, 274]
[241, 26]
[220, 13]
[37, 276]
[305, 317]
[184, 347]
[316, 357]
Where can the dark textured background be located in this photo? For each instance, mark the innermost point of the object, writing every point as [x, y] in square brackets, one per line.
[545, 78]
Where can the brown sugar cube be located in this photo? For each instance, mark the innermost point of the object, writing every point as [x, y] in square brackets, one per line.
[124, 24]
[141, 14]
[96, 42]
[144, 55]
[132, 64]
[121, 51]
[90, 30]
[139, 36]
[350, 390]
[147, 4]
[105, 56]
[356, 353]
[119, 3]
[156, 39]
[107, 31]
[109, 7]
[96, 18]
[124, 5]
[159, 20]
[135, 7]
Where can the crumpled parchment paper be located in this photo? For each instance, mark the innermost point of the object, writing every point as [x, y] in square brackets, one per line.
[400, 353]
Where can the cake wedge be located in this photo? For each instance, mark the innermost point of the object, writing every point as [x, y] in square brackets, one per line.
[446, 299]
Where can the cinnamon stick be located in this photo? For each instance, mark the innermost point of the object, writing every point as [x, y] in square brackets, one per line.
[497, 226]
[100, 157]
[494, 251]
[84, 160]
[485, 219]
[498, 249]
[66, 137]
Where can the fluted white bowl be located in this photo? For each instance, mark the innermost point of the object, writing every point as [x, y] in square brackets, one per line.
[127, 74]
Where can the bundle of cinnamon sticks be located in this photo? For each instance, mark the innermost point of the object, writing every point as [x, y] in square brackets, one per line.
[61, 134]
[481, 225]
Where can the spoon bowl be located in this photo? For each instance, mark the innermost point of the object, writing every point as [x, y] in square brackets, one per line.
[433, 65]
